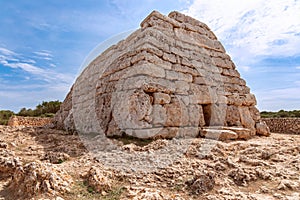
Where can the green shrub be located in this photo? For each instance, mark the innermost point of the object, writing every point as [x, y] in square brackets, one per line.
[46, 109]
[4, 116]
[280, 114]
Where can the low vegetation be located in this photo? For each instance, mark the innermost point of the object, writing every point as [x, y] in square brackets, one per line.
[4, 116]
[280, 114]
[45, 109]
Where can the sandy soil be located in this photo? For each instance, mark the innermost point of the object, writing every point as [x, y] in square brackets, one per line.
[43, 163]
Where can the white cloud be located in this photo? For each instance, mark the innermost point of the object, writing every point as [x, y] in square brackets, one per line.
[24, 66]
[6, 52]
[44, 54]
[256, 27]
[298, 67]
[29, 61]
[12, 60]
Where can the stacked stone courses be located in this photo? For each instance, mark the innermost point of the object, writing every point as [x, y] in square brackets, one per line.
[170, 78]
[29, 121]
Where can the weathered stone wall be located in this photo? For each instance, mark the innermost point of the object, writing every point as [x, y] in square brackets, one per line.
[29, 121]
[170, 78]
[283, 125]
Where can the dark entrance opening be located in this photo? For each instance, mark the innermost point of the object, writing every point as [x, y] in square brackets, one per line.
[207, 113]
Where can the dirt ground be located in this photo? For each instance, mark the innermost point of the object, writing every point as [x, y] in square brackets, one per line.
[43, 163]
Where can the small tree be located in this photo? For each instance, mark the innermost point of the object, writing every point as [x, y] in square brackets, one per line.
[45, 109]
[4, 116]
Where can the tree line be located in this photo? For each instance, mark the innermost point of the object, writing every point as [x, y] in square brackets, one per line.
[45, 109]
[280, 114]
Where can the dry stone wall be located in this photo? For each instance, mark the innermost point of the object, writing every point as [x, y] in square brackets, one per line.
[29, 121]
[170, 78]
[283, 125]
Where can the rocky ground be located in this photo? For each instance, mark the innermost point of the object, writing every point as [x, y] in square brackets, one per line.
[42, 163]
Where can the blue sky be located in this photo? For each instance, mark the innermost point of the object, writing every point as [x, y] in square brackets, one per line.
[44, 43]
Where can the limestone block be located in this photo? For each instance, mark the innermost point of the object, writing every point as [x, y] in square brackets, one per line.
[218, 134]
[156, 15]
[156, 22]
[234, 99]
[238, 81]
[177, 113]
[134, 82]
[262, 129]
[221, 99]
[244, 90]
[113, 129]
[149, 84]
[169, 57]
[139, 56]
[186, 61]
[203, 80]
[161, 98]
[243, 133]
[202, 94]
[159, 85]
[183, 18]
[131, 109]
[196, 117]
[119, 64]
[184, 69]
[182, 87]
[158, 116]
[164, 132]
[167, 132]
[150, 48]
[220, 62]
[187, 132]
[143, 69]
[230, 72]
[233, 116]
[217, 45]
[159, 62]
[147, 133]
[246, 118]
[215, 114]
[172, 75]
[185, 99]
[254, 113]
[249, 100]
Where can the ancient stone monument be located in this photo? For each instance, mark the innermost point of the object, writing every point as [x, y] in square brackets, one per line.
[170, 78]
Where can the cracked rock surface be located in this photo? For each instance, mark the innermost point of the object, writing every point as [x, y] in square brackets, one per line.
[259, 168]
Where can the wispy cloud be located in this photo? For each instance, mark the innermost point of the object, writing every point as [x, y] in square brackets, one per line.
[41, 83]
[24, 66]
[44, 54]
[13, 60]
[298, 67]
[6, 52]
[256, 27]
